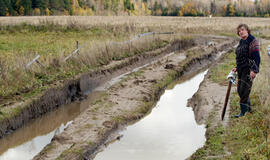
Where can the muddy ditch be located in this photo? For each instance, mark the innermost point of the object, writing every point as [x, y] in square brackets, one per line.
[168, 132]
[131, 142]
[77, 88]
[126, 102]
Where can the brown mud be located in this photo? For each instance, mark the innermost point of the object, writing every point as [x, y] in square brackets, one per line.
[208, 99]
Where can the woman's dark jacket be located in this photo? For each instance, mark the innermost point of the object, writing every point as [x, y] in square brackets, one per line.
[248, 54]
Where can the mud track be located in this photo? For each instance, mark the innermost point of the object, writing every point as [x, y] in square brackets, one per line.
[68, 91]
[130, 100]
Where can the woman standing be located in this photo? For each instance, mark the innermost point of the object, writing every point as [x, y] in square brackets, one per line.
[247, 66]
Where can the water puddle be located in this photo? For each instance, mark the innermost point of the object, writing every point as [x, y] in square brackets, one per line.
[29, 140]
[169, 132]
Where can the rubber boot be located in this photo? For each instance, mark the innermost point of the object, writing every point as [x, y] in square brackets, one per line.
[244, 109]
[249, 107]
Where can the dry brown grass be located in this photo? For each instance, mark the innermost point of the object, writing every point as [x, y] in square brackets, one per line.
[262, 81]
[14, 79]
[180, 24]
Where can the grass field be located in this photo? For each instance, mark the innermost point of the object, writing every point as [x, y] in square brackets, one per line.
[54, 38]
[19, 45]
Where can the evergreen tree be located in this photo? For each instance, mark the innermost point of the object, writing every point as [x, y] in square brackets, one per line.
[41, 4]
[2, 8]
[106, 5]
[81, 3]
[27, 5]
[55, 4]
[165, 11]
[13, 7]
[35, 3]
[128, 5]
[156, 6]
[213, 7]
[67, 6]
[10, 7]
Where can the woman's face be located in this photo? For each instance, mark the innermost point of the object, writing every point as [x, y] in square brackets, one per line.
[243, 33]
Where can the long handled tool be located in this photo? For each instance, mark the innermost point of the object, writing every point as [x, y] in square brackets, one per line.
[231, 77]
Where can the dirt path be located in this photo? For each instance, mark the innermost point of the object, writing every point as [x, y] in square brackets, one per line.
[209, 99]
[127, 101]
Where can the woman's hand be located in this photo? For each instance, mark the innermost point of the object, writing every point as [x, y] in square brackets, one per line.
[252, 74]
[234, 69]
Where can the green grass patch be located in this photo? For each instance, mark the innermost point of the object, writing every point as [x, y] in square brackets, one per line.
[213, 146]
[228, 34]
[48, 42]
[219, 73]
[247, 137]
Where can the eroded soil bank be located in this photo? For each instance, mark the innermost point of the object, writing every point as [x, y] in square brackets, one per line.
[129, 100]
[209, 99]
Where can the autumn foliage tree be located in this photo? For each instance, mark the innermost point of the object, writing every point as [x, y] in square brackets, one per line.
[188, 9]
[136, 7]
[230, 10]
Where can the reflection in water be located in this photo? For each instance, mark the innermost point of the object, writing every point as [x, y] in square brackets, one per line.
[29, 140]
[29, 149]
[170, 132]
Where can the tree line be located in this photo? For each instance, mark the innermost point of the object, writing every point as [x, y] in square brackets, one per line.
[259, 8]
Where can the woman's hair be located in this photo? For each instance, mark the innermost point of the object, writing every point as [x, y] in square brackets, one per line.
[242, 25]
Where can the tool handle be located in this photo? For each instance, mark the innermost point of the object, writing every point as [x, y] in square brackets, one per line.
[226, 100]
